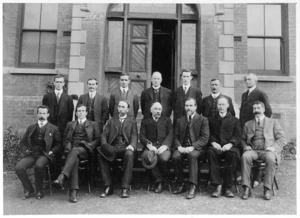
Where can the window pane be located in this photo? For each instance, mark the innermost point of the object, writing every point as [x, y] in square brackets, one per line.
[115, 43]
[255, 54]
[255, 20]
[139, 31]
[188, 45]
[153, 8]
[30, 47]
[48, 47]
[32, 16]
[49, 16]
[117, 7]
[188, 9]
[272, 55]
[273, 20]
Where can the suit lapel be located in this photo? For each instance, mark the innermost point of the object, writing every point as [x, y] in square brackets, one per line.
[62, 102]
[47, 137]
[97, 100]
[151, 93]
[251, 95]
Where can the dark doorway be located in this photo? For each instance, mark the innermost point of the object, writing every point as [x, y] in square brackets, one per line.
[163, 51]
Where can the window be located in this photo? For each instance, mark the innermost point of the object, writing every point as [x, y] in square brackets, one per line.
[265, 41]
[38, 36]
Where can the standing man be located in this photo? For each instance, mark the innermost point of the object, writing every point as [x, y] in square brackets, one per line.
[123, 94]
[81, 139]
[248, 98]
[156, 93]
[225, 138]
[97, 108]
[40, 144]
[118, 140]
[182, 93]
[191, 137]
[157, 135]
[263, 138]
[209, 104]
[60, 105]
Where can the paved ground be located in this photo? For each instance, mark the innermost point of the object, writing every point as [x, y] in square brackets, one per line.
[166, 203]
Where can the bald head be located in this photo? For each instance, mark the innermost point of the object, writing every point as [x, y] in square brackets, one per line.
[156, 109]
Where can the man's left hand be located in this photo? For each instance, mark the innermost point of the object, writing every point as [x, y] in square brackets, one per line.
[226, 147]
[50, 153]
[129, 147]
[162, 148]
[270, 149]
[189, 149]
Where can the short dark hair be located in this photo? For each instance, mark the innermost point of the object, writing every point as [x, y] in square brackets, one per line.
[212, 80]
[259, 102]
[43, 107]
[92, 78]
[125, 74]
[59, 76]
[187, 71]
[81, 105]
[195, 102]
[125, 102]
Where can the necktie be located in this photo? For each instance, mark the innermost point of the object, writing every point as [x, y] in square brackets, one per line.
[185, 89]
[58, 97]
[247, 93]
[123, 94]
[258, 121]
[190, 119]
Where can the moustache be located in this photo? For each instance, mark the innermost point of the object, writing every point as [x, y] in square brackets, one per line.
[257, 112]
[42, 119]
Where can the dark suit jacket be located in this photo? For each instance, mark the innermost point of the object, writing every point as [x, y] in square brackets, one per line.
[199, 132]
[225, 130]
[100, 108]
[246, 112]
[129, 131]
[207, 104]
[65, 113]
[179, 98]
[132, 99]
[163, 128]
[273, 133]
[92, 131]
[52, 138]
[165, 100]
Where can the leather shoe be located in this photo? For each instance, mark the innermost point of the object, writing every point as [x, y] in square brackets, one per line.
[73, 196]
[247, 193]
[180, 189]
[192, 192]
[107, 191]
[158, 188]
[125, 193]
[28, 193]
[39, 194]
[228, 193]
[267, 193]
[217, 192]
[59, 182]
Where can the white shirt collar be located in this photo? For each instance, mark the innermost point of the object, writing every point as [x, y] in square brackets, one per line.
[154, 118]
[126, 89]
[156, 88]
[58, 91]
[261, 118]
[251, 89]
[123, 118]
[92, 94]
[191, 116]
[44, 122]
[215, 95]
[82, 120]
[222, 115]
[186, 86]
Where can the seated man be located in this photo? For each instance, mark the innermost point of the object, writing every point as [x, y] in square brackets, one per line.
[225, 138]
[157, 134]
[81, 138]
[263, 138]
[191, 137]
[118, 140]
[40, 143]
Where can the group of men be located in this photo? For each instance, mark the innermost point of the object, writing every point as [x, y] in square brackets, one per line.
[200, 126]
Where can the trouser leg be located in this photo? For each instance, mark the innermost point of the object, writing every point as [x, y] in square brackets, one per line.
[193, 166]
[161, 170]
[40, 166]
[246, 165]
[104, 170]
[214, 167]
[21, 168]
[270, 168]
[127, 166]
[178, 168]
[229, 168]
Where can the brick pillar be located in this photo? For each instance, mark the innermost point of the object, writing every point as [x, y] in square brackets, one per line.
[77, 62]
[226, 50]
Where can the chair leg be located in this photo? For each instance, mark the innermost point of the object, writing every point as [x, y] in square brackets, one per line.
[49, 177]
[236, 183]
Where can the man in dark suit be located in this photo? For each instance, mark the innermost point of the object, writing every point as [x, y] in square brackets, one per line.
[191, 137]
[225, 138]
[209, 104]
[60, 105]
[182, 93]
[123, 93]
[40, 144]
[156, 93]
[157, 135]
[262, 138]
[96, 104]
[248, 98]
[80, 139]
[118, 140]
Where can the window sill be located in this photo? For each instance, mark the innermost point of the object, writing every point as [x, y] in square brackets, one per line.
[33, 71]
